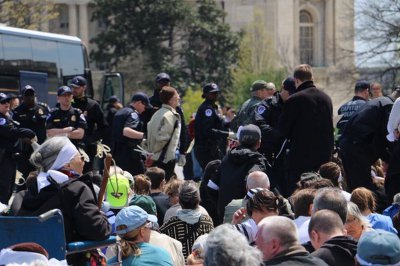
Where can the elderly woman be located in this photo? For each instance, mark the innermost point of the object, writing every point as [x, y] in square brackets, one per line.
[60, 185]
[189, 223]
[226, 246]
[365, 201]
[163, 131]
[356, 223]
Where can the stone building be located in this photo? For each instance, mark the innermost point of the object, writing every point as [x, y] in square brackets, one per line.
[317, 32]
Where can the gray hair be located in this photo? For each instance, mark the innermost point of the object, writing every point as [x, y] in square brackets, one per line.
[257, 179]
[279, 227]
[189, 195]
[226, 246]
[45, 156]
[353, 210]
[331, 199]
[396, 198]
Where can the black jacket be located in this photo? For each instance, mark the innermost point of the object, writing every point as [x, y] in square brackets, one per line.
[234, 168]
[75, 199]
[295, 256]
[347, 110]
[338, 250]
[307, 122]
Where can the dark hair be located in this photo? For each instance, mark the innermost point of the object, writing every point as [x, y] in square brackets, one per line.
[189, 195]
[330, 171]
[303, 72]
[315, 183]
[363, 198]
[263, 200]
[141, 185]
[166, 94]
[156, 175]
[302, 200]
[362, 85]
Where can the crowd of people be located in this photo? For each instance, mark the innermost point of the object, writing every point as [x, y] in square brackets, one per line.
[279, 185]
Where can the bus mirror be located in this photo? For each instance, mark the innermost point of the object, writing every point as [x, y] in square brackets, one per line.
[113, 85]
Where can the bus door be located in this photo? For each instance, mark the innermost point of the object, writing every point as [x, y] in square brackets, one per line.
[113, 84]
[38, 80]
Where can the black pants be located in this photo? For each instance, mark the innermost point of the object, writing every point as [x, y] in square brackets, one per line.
[128, 159]
[91, 151]
[205, 154]
[392, 180]
[168, 167]
[8, 168]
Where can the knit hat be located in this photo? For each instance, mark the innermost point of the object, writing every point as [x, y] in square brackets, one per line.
[145, 202]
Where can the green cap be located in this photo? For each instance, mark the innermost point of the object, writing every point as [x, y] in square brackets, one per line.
[258, 85]
[145, 202]
[117, 191]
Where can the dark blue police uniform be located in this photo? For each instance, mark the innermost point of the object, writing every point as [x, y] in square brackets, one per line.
[206, 122]
[123, 147]
[9, 136]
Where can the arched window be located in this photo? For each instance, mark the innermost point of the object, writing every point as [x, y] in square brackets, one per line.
[306, 38]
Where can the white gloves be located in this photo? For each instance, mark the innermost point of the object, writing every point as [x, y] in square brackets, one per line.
[181, 160]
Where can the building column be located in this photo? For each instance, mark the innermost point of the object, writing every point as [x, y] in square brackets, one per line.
[329, 38]
[72, 20]
[84, 23]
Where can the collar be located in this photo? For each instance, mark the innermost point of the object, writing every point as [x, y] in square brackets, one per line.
[305, 85]
[296, 249]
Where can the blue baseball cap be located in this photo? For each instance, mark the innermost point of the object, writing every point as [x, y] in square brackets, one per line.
[64, 90]
[28, 88]
[378, 247]
[4, 97]
[132, 217]
[78, 81]
[140, 96]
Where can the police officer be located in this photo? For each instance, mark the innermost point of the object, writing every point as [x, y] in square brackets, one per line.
[30, 114]
[96, 125]
[245, 115]
[361, 96]
[266, 117]
[127, 133]
[207, 127]
[65, 119]
[9, 135]
[163, 79]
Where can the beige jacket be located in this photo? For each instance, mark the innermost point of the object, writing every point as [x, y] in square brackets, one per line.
[160, 130]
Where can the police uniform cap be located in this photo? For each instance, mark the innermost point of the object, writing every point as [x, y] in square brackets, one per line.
[78, 81]
[63, 90]
[210, 87]
[258, 85]
[4, 98]
[162, 77]
[28, 88]
[140, 96]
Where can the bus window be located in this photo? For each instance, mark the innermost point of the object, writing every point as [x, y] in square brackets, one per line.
[71, 59]
[17, 49]
[46, 52]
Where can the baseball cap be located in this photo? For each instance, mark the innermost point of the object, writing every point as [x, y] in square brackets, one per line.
[289, 85]
[162, 77]
[249, 134]
[210, 87]
[28, 88]
[378, 247]
[132, 217]
[145, 202]
[113, 99]
[4, 97]
[63, 90]
[258, 85]
[78, 81]
[140, 96]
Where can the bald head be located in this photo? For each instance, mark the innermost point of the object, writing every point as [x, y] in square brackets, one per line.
[257, 179]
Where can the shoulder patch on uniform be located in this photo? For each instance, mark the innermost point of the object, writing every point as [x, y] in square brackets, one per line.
[2, 121]
[208, 112]
[134, 115]
[260, 109]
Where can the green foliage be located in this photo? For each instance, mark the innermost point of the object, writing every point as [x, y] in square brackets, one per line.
[27, 14]
[193, 44]
[191, 102]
